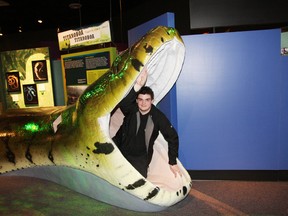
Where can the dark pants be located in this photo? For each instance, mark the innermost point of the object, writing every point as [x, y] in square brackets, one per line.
[139, 163]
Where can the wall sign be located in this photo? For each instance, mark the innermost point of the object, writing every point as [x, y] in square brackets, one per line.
[84, 36]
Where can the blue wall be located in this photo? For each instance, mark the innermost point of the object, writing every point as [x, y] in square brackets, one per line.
[232, 102]
[58, 86]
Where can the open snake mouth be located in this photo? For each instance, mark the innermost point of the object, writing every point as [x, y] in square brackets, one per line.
[163, 68]
[81, 154]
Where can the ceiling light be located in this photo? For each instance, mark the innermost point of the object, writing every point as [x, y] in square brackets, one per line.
[40, 21]
[75, 6]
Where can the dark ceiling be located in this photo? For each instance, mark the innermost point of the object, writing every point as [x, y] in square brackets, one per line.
[23, 15]
[58, 15]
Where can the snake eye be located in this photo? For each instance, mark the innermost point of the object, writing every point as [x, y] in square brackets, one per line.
[148, 48]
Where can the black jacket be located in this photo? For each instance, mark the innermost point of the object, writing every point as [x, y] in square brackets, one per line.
[161, 124]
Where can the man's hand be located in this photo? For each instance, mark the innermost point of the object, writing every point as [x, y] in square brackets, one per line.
[175, 170]
[141, 80]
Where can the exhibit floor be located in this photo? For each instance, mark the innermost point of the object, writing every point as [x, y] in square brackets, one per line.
[32, 196]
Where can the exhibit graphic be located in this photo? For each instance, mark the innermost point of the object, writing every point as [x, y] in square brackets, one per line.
[30, 94]
[13, 82]
[39, 69]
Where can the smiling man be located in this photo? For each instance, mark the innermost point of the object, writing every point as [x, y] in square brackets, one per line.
[141, 126]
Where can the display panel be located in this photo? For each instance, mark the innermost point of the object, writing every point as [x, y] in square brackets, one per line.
[83, 68]
[30, 94]
[39, 69]
[13, 82]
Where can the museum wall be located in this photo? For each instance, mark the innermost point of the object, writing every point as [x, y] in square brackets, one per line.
[26, 75]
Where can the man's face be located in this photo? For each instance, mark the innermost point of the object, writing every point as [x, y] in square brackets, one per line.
[144, 102]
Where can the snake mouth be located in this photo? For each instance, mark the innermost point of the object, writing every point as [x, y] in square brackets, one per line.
[163, 67]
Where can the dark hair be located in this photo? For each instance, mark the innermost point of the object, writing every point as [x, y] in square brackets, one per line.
[146, 90]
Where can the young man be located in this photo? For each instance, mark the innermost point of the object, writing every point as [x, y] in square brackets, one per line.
[141, 126]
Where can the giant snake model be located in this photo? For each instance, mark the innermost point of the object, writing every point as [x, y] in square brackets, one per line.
[72, 145]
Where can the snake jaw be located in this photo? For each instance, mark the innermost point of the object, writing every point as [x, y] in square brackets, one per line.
[162, 66]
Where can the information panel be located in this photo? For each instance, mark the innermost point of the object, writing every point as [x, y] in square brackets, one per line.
[83, 68]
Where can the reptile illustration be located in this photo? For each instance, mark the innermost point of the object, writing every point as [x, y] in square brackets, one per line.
[72, 145]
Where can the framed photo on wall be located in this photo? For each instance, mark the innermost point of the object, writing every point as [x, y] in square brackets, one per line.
[30, 94]
[13, 82]
[39, 69]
